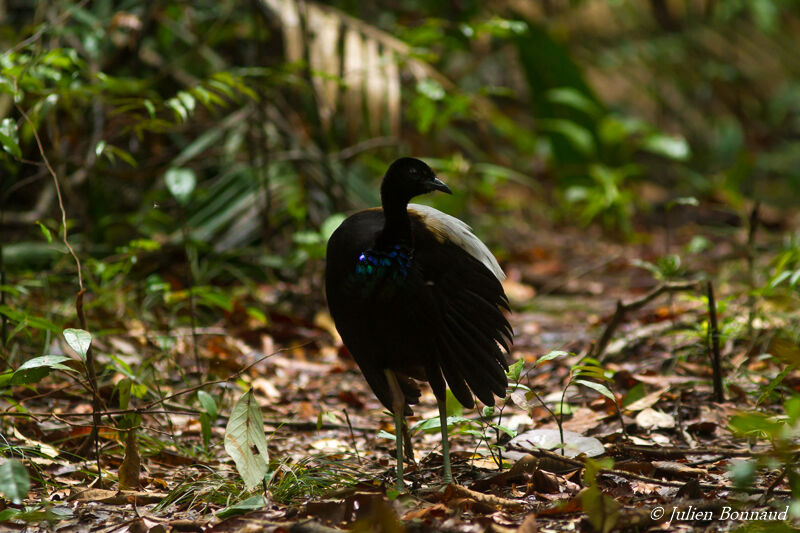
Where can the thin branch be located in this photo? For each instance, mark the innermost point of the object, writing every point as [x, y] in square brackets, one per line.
[232, 377]
[44, 28]
[57, 186]
[624, 308]
[577, 463]
[716, 363]
[751, 269]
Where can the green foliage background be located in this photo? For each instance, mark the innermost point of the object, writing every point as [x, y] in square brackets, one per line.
[564, 112]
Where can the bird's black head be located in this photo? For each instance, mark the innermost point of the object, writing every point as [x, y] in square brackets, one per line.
[409, 177]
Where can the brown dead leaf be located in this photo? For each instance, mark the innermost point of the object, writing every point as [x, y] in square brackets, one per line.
[374, 513]
[528, 525]
[640, 487]
[582, 420]
[171, 458]
[265, 387]
[647, 401]
[546, 482]
[131, 465]
[572, 505]
[438, 510]
[661, 380]
[116, 497]
[704, 427]
[690, 491]
[331, 511]
[351, 398]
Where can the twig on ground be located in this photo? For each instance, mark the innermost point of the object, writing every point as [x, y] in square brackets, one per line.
[488, 499]
[647, 479]
[632, 450]
[771, 488]
[625, 308]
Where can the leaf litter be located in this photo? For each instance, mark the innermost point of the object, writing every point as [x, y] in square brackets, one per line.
[328, 463]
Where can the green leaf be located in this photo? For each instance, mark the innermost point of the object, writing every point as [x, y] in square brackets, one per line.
[508, 431]
[777, 380]
[602, 510]
[579, 137]
[571, 97]
[9, 514]
[667, 146]
[602, 389]
[208, 403]
[454, 407]
[37, 368]
[743, 472]
[36, 515]
[180, 183]
[792, 406]
[755, 424]
[684, 200]
[14, 480]
[245, 441]
[48, 235]
[515, 370]
[635, 393]
[595, 372]
[383, 434]
[431, 88]
[205, 430]
[124, 391]
[177, 107]
[330, 225]
[188, 101]
[79, 340]
[9, 138]
[26, 320]
[431, 425]
[213, 298]
[252, 503]
[562, 408]
[551, 355]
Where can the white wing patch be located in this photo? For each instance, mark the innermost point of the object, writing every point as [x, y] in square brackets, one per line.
[460, 234]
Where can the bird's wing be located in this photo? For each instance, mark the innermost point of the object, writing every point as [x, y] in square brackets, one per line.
[459, 233]
[460, 300]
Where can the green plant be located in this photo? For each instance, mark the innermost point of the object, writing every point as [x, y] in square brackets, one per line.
[780, 430]
[602, 510]
[786, 266]
[588, 372]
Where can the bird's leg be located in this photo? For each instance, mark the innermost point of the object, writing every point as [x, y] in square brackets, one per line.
[448, 475]
[408, 446]
[398, 406]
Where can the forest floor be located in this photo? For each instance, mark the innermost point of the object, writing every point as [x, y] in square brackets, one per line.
[674, 456]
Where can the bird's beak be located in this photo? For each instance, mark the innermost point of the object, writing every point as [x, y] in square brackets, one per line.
[439, 185]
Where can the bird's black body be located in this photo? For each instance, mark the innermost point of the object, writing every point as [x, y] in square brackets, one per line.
[408, 294]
